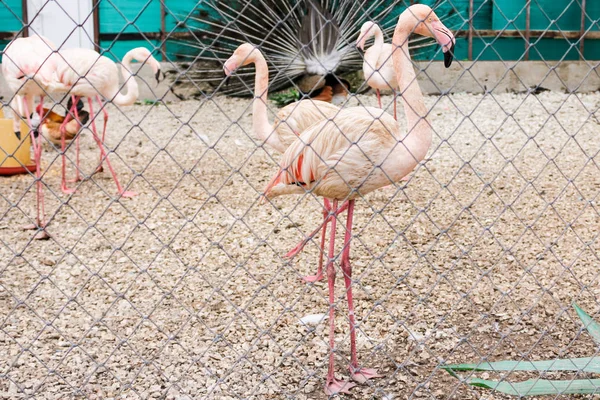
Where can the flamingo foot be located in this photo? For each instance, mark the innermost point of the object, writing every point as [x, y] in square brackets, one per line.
[312, 278]
[128, 194]
[99, 169]
[337, 386]
[66, 190]
[42, 235]
[361, 375]
[77, 179]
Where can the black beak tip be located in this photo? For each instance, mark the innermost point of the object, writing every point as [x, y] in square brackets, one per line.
[226, 81]
[157, 76]
[449, 56]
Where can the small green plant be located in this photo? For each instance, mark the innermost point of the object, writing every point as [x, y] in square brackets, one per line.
[282, 99]
[536, 387]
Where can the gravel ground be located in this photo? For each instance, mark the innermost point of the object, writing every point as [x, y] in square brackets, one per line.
[182, 291]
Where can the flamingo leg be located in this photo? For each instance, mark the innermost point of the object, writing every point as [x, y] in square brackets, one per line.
[103, 155]
[358, 374]
[319, 275]
[378, 97]
[105, 113]
[63, 148]
[37, 153]
[332, 385]
[75, 100]
[327, 216]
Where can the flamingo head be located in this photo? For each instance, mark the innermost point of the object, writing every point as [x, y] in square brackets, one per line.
[366, 31]
[243, 55]
[428, 24]
[143, 55]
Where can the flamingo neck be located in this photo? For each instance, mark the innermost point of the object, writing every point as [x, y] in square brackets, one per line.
[414, 105]
[132, 86]
[260, 119]
[373, 53]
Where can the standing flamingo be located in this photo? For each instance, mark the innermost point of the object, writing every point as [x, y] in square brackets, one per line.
[27, 64]
[359, 151]
[85, 73]
[378, 67]
[290, 121]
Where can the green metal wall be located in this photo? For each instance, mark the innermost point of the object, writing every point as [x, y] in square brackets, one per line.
[496, 15]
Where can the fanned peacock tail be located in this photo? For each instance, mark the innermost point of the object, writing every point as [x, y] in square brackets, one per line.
[298, 38]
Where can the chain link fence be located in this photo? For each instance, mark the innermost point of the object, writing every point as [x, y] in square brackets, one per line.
[184, 291]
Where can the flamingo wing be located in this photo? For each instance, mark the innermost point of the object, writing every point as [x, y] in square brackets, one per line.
[336, 156]
[295, 118]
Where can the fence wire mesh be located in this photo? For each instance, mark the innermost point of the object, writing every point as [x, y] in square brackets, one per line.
[184, 290]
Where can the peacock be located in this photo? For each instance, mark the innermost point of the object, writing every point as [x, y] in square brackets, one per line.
[308, 44]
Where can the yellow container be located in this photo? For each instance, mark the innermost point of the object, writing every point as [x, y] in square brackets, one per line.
[15, 154]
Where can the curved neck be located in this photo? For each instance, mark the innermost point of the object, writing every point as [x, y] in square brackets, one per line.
[373, 53]
[260, 119]
[378, 37]
[414, 106]
[132, 86]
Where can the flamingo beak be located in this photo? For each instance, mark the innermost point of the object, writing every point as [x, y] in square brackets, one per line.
[228, 69]
[360, 45]
[446, 39]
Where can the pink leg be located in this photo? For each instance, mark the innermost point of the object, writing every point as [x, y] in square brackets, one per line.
[378, 97]
[37, 153]
[75, 100]
[105, 113]
[319, 275]
[296, 250]
[333, 385]
[103, 154]
[359, 374]
[63, 147]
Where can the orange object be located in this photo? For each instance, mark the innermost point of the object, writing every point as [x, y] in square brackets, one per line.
[15, 154]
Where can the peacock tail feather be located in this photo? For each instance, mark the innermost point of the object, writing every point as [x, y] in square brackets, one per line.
[297, 38]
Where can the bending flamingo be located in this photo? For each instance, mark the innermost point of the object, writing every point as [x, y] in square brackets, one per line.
[27, 64]
[362, 150]
[50, 127]
[290, 121]
[85, 73]
[378, 67]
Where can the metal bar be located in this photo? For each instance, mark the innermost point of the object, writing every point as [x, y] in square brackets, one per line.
[8, 35]
[527, 28]
[163, 30]
[25, 17]
[582, 30]
[96, 14]
[462, 33]
[470, 54]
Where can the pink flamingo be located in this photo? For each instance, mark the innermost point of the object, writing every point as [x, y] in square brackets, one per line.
[290, 121]
[27, 65]
[85, 73]
[362, 150]
[377, 66]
